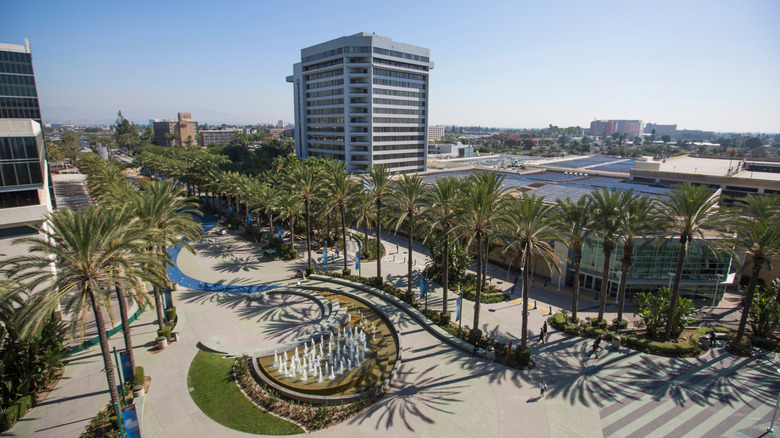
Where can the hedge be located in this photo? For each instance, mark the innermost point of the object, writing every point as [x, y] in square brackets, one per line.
[10, 415]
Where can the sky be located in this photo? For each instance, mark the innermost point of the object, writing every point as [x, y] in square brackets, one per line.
[711, 65]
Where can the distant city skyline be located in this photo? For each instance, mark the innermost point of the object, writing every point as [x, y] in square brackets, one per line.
[702, 65]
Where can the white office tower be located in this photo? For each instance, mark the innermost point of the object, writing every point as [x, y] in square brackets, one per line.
[363, 99]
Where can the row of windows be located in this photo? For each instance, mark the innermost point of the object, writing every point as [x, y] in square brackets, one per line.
[327, 156]
[323, 75]
[404, 164]
[400, 138]
[398, 102]
[402, 84]
[401, 55]
[327, 147]
[398, 147]
[323, 84]
[22, 173]
[396, 156]
[315, 112]
[19, 90]
[15, 57]
[325, 137]
[326, 129]
[323, 93]
[18, 102]
[17, 80]
[21, 198]
[400, 64]
[325, 120]
[357, 49]
[398, 129]
[18, 148]
[323, 64]
[339, 101]
[16, 113]
[397, 120]
[321, 55]
[20, 68]
[398, 111]
[398, 93]
[398, 74]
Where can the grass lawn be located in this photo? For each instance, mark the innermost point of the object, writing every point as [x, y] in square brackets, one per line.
[217, 395]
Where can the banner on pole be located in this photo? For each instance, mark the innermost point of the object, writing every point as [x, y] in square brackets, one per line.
[422, 288]
[127, 367]
[457, 309]
[168, 298]
[130, 420]
[357, 260]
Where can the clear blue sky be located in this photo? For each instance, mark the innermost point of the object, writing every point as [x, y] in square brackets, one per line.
[712, 65]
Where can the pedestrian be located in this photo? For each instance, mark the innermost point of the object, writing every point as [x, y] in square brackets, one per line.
[544, 333]
[596, 347]
[337, 251]
[712, 339]
[474, 352]
[541, 336]
[542, 387]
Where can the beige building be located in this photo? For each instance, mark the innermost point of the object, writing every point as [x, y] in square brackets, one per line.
[185, 128]
[217, 136]
[435, 133]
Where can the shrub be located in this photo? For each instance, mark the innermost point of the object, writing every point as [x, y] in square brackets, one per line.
[346, 272]
[170, 315]
[10, 415]
[522, 356]
[764, 315]
[309, 270]
[445, 318]
[475, 336]
[740, 349]
[165, 332]
[138, 376]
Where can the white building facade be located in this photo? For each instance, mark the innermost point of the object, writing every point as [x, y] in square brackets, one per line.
[363, 99]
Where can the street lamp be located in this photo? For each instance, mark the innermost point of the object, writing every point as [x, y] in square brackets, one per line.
[671, 277]
[771, 428]
[560, 274]
[619, 275]
[715, 292]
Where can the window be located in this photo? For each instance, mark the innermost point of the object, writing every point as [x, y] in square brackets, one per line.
[402, 84]
[398, 93]
[398, 74]
[398, 102]
[400, 64]
[396, 54]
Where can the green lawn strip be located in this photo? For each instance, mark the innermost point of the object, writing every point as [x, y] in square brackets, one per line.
[216, 394]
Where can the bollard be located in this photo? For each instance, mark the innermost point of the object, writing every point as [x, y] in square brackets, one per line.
[534, 304]
[550, 310]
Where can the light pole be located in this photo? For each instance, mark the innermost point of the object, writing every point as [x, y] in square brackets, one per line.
[671, 277]
[715, 292]
[771, 428]
[560, 274]
[617, 296]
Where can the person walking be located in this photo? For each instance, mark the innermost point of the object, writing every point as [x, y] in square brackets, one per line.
[541, 336]
[595, 348]
[713, 338]
[542, 388]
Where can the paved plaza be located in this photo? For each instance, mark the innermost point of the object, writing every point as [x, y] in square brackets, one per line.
[440, 390]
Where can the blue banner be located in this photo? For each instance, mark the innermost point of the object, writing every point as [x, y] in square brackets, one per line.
[168, 298]
[127, 366]
[249, 219]
[325, 251]
[457, 309]
[279, 233]
[357, 260]
[130, 420]
[422, 288]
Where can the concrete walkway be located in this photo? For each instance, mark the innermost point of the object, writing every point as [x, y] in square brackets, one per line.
[440, 391]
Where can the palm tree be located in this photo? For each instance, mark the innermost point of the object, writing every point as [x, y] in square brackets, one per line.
[378, 182]
[608, 207]
[639, 220]
[531, 228]
[167, 216]
[576, 226]
[342, 190]
[440, 204]
[363, 214]
[406, 195]
[481, 206]
[305, 181]
[92, 249]
[687, 210]
[756, 232]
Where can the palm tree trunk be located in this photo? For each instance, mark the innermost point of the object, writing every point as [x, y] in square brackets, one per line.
[270, 227]
[409, 261]
[109, 366]
[624, 267]
[378, 241]
[344, 232]
[748, 299]
[670, 322]
[446, 274]
[604, 284]
[478, 294]
[576, 298]
[526, 286]
[292, 232]
[308, 235]
[120, 297]
[158, 302]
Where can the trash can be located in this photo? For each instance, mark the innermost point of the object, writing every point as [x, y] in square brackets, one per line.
[174, 286]
[138, 391]
[616, 342]
[162, 342]
[491, 353]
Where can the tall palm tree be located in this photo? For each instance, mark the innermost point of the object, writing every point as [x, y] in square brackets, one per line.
[481, 207]
[92, 249]
[640, 219]
[440, 205]
[608, 207]
[167, 215]
[531, 228]
[756, 231]
[305, 181]
[364, 214]
[377, 179]
[407, 196]
[342, 190]
[576, 225]
[687, 211]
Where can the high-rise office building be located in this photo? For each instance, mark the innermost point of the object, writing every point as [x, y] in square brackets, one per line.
[363, 99]
[24, 180]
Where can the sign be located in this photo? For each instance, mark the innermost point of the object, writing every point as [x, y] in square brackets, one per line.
[130, 419]
[458, 305]
[357, 260]
[168, 298]
[279, 233]
[127, 366]
[422, 288]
